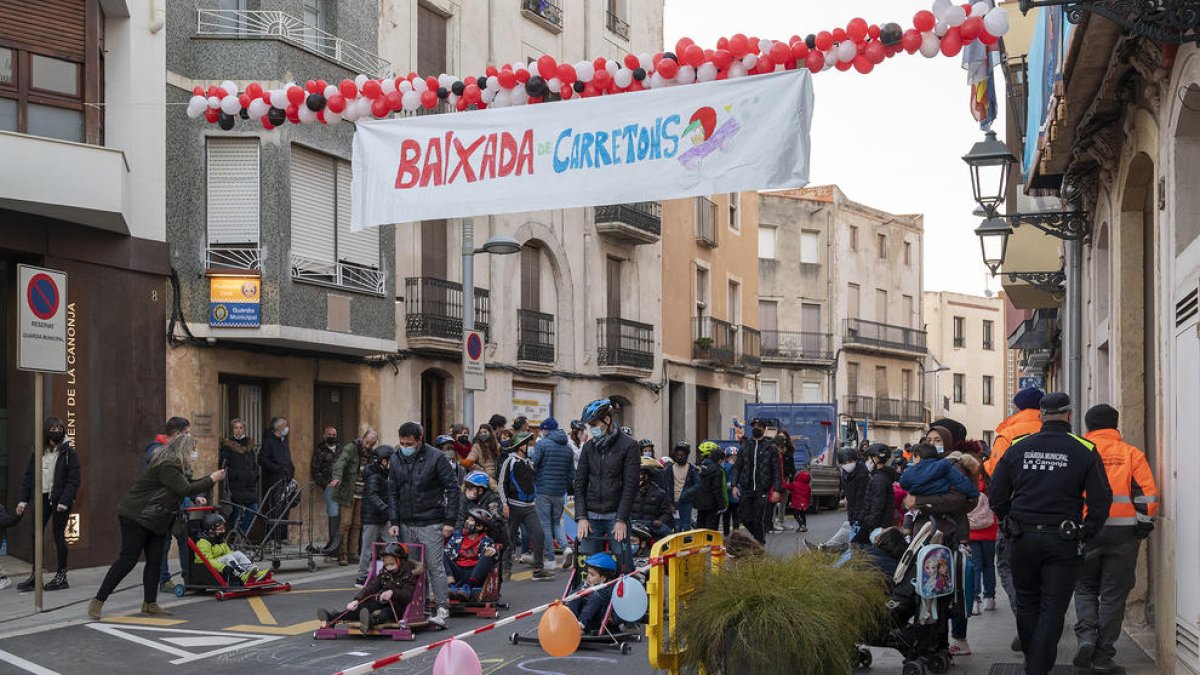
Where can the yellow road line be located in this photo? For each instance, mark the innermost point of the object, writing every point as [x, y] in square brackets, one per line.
[261, 611]
[522, 576]
[294, 629]
[143, 620]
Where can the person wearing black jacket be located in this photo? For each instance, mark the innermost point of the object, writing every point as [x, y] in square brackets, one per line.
[241, 470]
[854, 477]
[321, 470]
[1039, 491]
[755, 473]
[423, 496]
[275, 458]
[61, 475]
[879, 501]
[681, 481]
[651, 506]
[605, 483]
[375, 508]
[711, 498]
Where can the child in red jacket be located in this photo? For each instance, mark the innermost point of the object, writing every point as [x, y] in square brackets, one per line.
[801, 489]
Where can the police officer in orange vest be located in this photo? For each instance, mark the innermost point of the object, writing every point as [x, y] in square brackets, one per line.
[1109, 560]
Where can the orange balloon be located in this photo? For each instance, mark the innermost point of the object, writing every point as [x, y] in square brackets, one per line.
[558, 631]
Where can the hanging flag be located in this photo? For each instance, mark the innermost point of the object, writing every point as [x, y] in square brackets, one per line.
[980, 60]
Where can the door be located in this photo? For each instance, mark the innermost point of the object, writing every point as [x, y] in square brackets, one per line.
[881, 301]
[1184, 498]
[702, 426]
[531, 278]
[613, 281]
[768, 323]
[433, 404]
[245, 400]
[336, 405]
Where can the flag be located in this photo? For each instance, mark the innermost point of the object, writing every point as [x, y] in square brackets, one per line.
[980, 60]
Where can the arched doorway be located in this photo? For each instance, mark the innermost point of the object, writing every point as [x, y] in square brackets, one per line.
[433, 403]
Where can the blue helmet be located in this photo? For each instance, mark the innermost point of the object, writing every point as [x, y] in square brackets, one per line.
[595, 410]
[602, 561]
[478, 479]
[442, 440]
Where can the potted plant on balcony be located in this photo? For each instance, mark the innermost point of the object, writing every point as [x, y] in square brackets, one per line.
[703, 347]
[768, 615]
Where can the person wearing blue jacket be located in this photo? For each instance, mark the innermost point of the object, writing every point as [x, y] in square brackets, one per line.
[554, 467]
[681, 482]
[934, 476]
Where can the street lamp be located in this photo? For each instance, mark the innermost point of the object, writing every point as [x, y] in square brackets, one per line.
[993, 236]
[499, 244]
[990, 161]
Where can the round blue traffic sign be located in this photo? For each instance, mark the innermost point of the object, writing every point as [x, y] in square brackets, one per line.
[42, 296]
[474, 346]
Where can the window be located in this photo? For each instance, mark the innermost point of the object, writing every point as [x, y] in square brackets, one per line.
[314, 30]
[321, 214]
[431, 41]
[41, 95]
[617, 24]
[988, 437]
[881, 382]
[908, 253]
[906, 382]
[853, 238]
[987, 390]
[232, 186]
[906, 305]
[881, 302]
[768, 391]
[434, 249]
[614, 288]
[852, 301]
[702, 292]
[766, 243]
[960, 332]
[810, 392]
[768, 319]
[531, 277]
[852, 378]
[987, 335]
[960, 386]
[881, 246]
[735, 303]
[735, 218]
[810, 247]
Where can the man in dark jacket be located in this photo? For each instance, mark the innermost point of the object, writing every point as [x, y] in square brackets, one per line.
[237, 458]
[711, 499]
[275, 458]
[423, 505]
[321, 470]
[554, 464]
[651, 506]
[879, 502]
[853, 479]
[375, 509]
[755, 473]
[681, 480]
[605, 482]
[59, 460]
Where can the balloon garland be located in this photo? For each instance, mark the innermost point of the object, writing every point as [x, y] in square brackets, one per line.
[945, 30]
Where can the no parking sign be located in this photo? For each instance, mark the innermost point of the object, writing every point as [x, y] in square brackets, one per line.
[41, 319]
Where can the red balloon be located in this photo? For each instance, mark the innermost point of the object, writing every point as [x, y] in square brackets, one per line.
[472, 94]
[599, 63]
[722, 43]
[924, 20]
[311, 87]
[839, 35]
[244, 100]
[815, 61]
[336, 103]
[636, 85]
[370, 89]
[800, 51]
[683, 44]
[693, 56]
[988, 39]
[197, 91]
[875, 52]
[321, 117]
[970, 29]
[824, 41]
[601, 80]
[395, 100]
[348, 88]
[254, 90]
[266, 123]
[722, 59]
[566, 92]
[507, 78]
[210, 115]
[754, 44]
[873, 32]
[863, 64]
[631, 61]
[546, 66]
[589, 89]
[460, 105]
[293, 114]
[566, 73]
[739, 45]
[911, 41]
[522, 75]
[429, 98]
[295, 95]
[951, 42]
[668, 68]
[491, 71]
[266, 97]
[842, 65]
[380, 107]
[856, 30]
[432, 83]
[765, 65]
[412, 75]
[781, 53]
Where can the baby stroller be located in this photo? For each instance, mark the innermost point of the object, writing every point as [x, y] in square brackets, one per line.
[927, 588]
[202, 576]
[414, 612]
[268, 536]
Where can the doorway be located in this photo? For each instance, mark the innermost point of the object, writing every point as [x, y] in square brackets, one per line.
[336, 405]
[703, 427]
[433, 403]
[245, 399]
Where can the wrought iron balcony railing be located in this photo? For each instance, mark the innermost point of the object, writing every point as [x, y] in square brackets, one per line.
[861, 332]
[714, 341]
[433, 308]
[643, 218]
[548, 11]
[535, 336]
[340, 274]
[618, 26]
[797, 345]
[625, 343]
[750, 352]
[861, 407]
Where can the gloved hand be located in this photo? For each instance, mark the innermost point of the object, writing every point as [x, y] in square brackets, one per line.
[1143, 530]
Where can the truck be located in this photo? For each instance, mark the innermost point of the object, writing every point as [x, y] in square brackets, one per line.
[813, 428]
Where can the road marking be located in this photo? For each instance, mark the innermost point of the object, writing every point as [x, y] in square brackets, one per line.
[28, 666]
[522, 576]
[143, 620]
[323, 590]
[244, 640]
[261, 611]
[204, 641]
[294, 629]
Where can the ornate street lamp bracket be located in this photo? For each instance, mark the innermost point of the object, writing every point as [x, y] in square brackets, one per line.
[1169, 21]
[1068, 225]
[1050, 282]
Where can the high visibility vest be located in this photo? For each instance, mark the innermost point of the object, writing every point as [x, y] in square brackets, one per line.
[1021, 424]
[1135, 495]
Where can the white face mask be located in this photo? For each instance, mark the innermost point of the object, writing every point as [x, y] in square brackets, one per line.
[849, 466]
[596, 432]
[195, 454]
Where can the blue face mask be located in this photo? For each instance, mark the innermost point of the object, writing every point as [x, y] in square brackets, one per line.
[596, 432]
[408, 451]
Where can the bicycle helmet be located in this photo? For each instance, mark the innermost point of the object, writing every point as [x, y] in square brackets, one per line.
[442, 440]
[641, 533]
[212, 520]
[478, 479]
[481, 516]
[383, 452]
[682, 445]
[627, 431]
[878, 451]
[596, 410]
[603, 562]
[395, 550]
[645, 443]
[707, 447]
[576, 425]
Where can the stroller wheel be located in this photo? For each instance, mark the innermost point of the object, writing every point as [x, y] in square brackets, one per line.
[626, 647]
[913, 668]
[939, 663]
[515, 638]
[275, 565]
[180, 589]
[863, 659]
[312, 565]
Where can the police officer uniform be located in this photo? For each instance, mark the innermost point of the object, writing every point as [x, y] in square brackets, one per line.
[1039, 491]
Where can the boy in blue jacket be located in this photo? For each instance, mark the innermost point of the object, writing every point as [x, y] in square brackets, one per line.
[590, 610]
[935, 476]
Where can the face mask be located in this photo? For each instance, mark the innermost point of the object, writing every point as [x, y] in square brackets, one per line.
[940, 446]
[57, 436]
[195, 454]
[680, 460]
[849, 466]
[408, 451]
[283, 432]
[391, 567]
[463, 440]
[330, 441]
[757, 433]
[239, 437]
[484, 437]
[596, 433]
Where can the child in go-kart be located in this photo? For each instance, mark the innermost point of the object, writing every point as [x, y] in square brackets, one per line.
[230, 564]
[383, 599]
[590, 610]
[470, 556]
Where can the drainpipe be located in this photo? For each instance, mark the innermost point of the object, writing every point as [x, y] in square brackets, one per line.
[158, 16]
[1075, 329]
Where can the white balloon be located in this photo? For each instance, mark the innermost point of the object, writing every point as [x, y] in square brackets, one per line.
[332, 117]
[611, 67]
[362, 107]
[330, 90]
[930, 45]
[279, 99]
[657, 81]
[445, 80]
[996, 22]
[764, 46]
[555, 85]
[584, 71]
[229, 87]
[257, 109]
[736, 70]
[749, 61]
[707, 72]
[519, 96]
[831, 58]
[646, 60]
[196, 106]
[387, 85]
[419, 86]
[623, 78]
[306, 116]
[955, 16]
[213, 102]
[488, 95]
[230, 105]
[940, 28]
[350, 114]
[503, 99]
[360, 80]
[846, 51]
[410, 100]
[940, 7]
[493, 82]
[981, 8]
[404, 87]
[686, 75]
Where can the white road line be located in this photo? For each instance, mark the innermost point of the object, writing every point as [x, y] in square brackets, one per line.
[21, 663]
[124, 632]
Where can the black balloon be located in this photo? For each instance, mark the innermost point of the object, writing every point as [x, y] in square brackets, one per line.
[639, 74]
[315, 102]
[443, 93]
[277, 116]
[458, 88]
[536, 86]
[482, 82]
[891, 34]
[244, 114]
[670, 55]
[579, 86]
[224, 120]
[811, 41]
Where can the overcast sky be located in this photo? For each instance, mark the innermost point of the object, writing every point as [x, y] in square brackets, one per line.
[892, 139]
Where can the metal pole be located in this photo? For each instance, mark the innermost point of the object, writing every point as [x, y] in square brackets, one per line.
[1075, 329]
[468, 317]
[39, 393]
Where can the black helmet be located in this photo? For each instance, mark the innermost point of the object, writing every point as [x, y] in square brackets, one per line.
[212, 520]
[847, 454]
[481, 516]
[878, 451]
[645, 443]
[395, 550]
[576, 425]
[383, 452]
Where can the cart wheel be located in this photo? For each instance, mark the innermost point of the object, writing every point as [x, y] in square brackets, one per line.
[638, 638]
[863, 660]
[220, 595]
[626, 648]
[180, 589]
[515, 638]
[312, 565]
[275, 565]
[913, 668]
[939, 663]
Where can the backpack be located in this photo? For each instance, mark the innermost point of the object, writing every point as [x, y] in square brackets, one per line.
[935, 572]
[981, 517]
[522, 484]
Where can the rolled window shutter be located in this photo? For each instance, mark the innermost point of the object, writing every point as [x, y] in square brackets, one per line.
[359, 248]
[233, 191]
[313, 197]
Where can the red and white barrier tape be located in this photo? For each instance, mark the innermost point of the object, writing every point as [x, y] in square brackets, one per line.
[396, 658]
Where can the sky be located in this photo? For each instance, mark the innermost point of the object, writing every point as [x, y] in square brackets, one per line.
[892, 139]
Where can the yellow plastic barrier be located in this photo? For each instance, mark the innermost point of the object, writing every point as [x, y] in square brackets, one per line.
[680, 564]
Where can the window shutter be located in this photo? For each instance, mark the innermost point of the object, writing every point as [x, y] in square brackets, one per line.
[233, 191]
[359, 248]
[313, 197]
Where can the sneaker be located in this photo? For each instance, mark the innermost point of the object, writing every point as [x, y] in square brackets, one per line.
[526, 558]
[989, 604]
[1016, 644]
[959, 648]
[551, 564]
[1083, 655]
[441, 618]
[364, 620]
[1107, 668]
[4, 582]
[566, 555]
[166, 587]
[542, 574]
[360, 582]
[977, 608]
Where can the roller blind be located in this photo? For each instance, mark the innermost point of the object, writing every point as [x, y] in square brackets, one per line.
[313, 205]
[359, 248]
[233, 191]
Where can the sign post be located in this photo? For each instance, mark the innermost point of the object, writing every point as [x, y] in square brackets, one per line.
[41, 348]
[473, 364]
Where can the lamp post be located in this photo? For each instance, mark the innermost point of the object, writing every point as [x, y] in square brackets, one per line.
[500, 244]
[993, 236]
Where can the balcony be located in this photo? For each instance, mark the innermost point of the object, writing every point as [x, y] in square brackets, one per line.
[535, 338]
[899, 410]
[222, 258]
[546, 13]
[780, 345]
[276, 25]
[618, 26]
[433, 314]
[624, 348]
[857, 333]
[750, 355]
[637, 223]
[860, 407]
[714, 341]
[339, 274]
[706, 222]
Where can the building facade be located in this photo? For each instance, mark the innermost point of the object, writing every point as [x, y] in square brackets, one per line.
[966, 338]
[81, 190]
[577, 314]
[711, 341]
[841, 312]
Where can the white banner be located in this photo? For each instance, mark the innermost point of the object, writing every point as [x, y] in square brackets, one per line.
[749, 133]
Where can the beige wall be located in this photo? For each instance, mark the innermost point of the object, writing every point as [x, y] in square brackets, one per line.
[972, 360]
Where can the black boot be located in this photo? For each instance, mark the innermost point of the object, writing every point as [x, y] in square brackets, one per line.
[381, 617]
[59, 582]
[335, 535]
[364, 620]
[26, 585]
